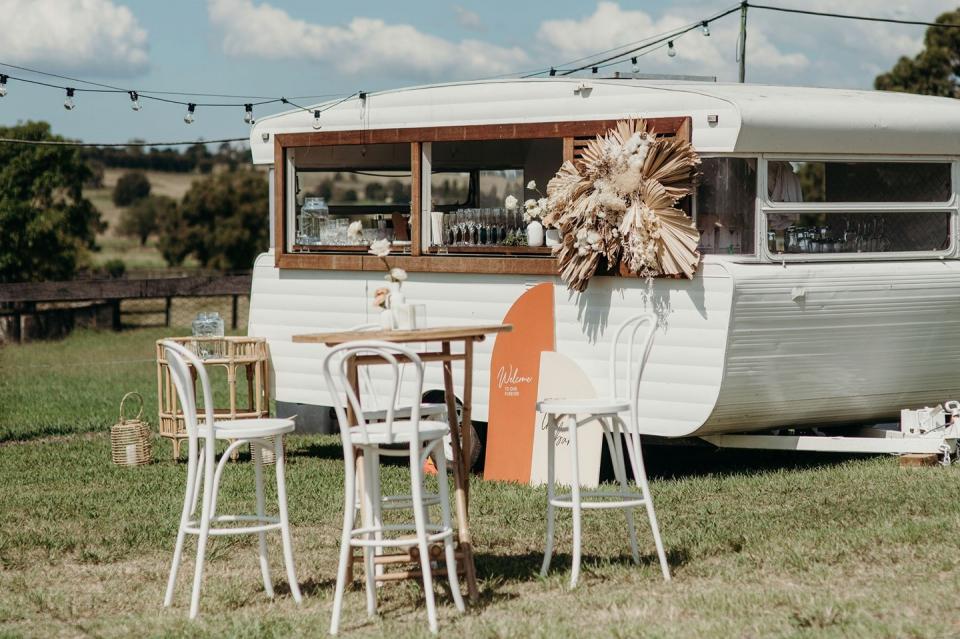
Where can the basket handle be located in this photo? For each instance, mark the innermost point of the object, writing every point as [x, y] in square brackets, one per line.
[127, 396]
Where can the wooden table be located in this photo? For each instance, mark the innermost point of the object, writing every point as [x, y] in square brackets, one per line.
[461, 444]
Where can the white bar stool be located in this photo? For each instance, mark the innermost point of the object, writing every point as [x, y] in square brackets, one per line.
[421, 437]
[576, 412]
[254, 432]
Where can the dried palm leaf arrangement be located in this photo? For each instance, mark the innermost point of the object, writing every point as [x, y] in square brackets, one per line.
[617, 205]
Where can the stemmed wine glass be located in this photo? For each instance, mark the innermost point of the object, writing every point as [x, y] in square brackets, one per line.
[471, 226]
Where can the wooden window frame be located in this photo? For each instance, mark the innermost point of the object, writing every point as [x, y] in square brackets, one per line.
[417, 261]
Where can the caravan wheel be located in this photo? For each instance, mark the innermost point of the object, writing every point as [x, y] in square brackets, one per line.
[439, 397]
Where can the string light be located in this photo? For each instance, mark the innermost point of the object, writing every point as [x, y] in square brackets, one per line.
[595, 69]
[69, 104]
[671, 50]
[248, 113]
[316, 118]
[553, 72]
[3, 85]
[188, 117]
[636, 67]
[705, 27]
[135, 101]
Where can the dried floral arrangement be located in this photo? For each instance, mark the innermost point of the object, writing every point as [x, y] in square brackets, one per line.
[618, 204]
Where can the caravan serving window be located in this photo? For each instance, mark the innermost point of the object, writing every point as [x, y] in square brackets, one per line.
[857, 207]
[470, 180]
[335, 185]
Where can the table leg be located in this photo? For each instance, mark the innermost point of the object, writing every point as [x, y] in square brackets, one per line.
[467, 415]
[460, 477]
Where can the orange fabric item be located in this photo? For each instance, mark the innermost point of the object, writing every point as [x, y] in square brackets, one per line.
[514, 375]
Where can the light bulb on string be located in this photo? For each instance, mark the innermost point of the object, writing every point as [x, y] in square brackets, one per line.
[671, 50]
[316, 118]
[248, 113]
[188, 117]
[553, 72]
[636, 67]
[135, 101]
[595, 69]
[3, 85]
[69, 104]
[705, 27]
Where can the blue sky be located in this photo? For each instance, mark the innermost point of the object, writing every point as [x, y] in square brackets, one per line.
[300, 47]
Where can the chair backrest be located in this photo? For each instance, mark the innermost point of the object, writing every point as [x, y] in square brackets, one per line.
[179, 359]
[336, 372]
[628, 355]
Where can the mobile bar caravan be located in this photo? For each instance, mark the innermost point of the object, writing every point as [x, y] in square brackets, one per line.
[829, 287]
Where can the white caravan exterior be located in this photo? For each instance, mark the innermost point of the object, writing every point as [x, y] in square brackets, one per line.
[754, 341]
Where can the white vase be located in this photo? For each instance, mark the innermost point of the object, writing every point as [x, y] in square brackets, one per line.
[386, 319]
[534, 233]
[552, 237]
[397, 307]
[396, 296]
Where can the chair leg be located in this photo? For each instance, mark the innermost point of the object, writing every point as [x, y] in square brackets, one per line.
[189, 501]
[285, 520]
[257, 449]
[416, 491]
[370, 518]
[551, 514]
[202, 538]
[619, 468]
[451, 558]
[377, 499]
[648, 499]
[346, 550]
[575, 498]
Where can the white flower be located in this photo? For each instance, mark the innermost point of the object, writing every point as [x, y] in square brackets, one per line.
[529, 204]
[398, 275]
[532, 185]
[510, 203]
[355, 230]
[542, 203]
[380, 248]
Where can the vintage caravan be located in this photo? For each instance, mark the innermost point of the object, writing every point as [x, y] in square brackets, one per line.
[829, 287]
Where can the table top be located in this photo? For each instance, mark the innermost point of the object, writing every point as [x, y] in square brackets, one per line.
[432, 334]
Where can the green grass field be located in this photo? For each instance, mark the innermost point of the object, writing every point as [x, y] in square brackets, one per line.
[761, 545]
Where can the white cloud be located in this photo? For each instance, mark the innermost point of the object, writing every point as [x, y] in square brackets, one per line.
[611, 26]
[77, 36]
[468, 19]
[364, 44]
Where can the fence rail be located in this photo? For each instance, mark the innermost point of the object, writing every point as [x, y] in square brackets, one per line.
[35, 310]
[121, 289]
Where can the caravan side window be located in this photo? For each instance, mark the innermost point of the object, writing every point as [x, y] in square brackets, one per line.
[725, 205]
[858, 207]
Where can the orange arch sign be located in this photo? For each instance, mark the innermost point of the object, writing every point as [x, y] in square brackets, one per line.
[514, 377]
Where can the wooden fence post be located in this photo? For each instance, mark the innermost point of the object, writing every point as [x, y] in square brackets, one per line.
[233, 314]
[166, 311]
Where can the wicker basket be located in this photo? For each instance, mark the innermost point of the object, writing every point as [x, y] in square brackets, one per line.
[130, 438]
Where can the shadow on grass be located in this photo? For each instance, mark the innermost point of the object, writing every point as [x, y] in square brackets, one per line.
[319, 450]
[679, 461]
[496, 570]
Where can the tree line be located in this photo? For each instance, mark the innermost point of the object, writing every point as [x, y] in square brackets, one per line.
[49, 228]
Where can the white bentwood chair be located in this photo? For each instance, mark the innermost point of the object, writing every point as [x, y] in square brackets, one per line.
[607, 411]
[374, 439]
[204, 472]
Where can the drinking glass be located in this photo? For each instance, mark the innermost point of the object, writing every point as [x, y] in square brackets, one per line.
[471, 224]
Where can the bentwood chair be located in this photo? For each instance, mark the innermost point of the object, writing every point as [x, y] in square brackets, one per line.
[574, 413]
[420, 437]
[204, 472]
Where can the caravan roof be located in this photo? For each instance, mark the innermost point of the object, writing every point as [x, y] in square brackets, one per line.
[750, 118]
